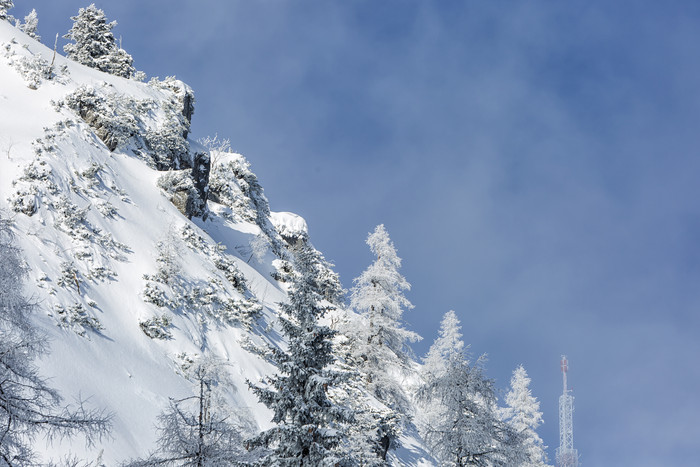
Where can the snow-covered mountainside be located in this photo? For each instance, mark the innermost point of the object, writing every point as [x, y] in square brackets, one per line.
[145, 249]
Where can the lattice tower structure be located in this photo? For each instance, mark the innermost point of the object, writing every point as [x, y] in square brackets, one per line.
[567, 456]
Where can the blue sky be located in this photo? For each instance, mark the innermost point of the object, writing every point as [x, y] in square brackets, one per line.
[536, 164]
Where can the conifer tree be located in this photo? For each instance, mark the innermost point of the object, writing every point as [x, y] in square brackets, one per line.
[94, 44]
[28, 405]
[30, 25]
[378, 343]
[523, 414]
[448, 345]
[309, 424]
[459, 421]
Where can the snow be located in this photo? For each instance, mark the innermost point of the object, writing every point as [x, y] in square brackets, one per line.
[289, 224]
[118, 367]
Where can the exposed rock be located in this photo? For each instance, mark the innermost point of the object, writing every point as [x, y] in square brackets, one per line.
[181, 191]
[200, 175]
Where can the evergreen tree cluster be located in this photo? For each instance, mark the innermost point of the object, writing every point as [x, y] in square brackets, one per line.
[94, 44]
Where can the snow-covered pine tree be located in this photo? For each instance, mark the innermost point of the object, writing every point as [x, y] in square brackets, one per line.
[459, 420]
[309, 424]
[94, 44]
[326, 280]
[28, 405]
[6, 5]
[522, 412]
[377, 342]
[198, 430]
[448, 345]
[31, 24]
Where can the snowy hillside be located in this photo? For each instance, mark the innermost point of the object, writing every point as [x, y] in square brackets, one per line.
[143, 254]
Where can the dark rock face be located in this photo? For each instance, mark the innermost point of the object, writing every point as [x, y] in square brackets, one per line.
[187, 106]
[181, 191]
[200, 177]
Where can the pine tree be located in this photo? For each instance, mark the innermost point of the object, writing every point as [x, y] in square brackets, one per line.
[459, 420]
[94, 44]
[377, 341]
[309, 426]
[6, 5]
[28, 405]
[198, 430]
[31, 23]
[523, 414]
[448, 345]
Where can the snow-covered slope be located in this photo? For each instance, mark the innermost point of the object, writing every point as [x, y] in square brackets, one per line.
[132, 276]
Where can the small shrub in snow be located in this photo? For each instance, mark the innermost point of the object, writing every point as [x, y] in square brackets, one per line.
[33, 69]
[169, 148]
[82, 253]
[152, 293]
[76, 317]
[37, 170]
[113, 117]
[216, 147]
[71, 219]
[69, 276]
[192, 239]
[101, 273]
[24, 199]
[228, 187]
[157, 327]
[225, 264]
[237, 311]
[106, 208]
[167, 263]
[90, 174]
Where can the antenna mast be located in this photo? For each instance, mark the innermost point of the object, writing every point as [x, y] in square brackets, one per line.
[567, 456]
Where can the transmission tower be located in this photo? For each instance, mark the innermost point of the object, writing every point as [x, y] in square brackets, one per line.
[567, 456]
